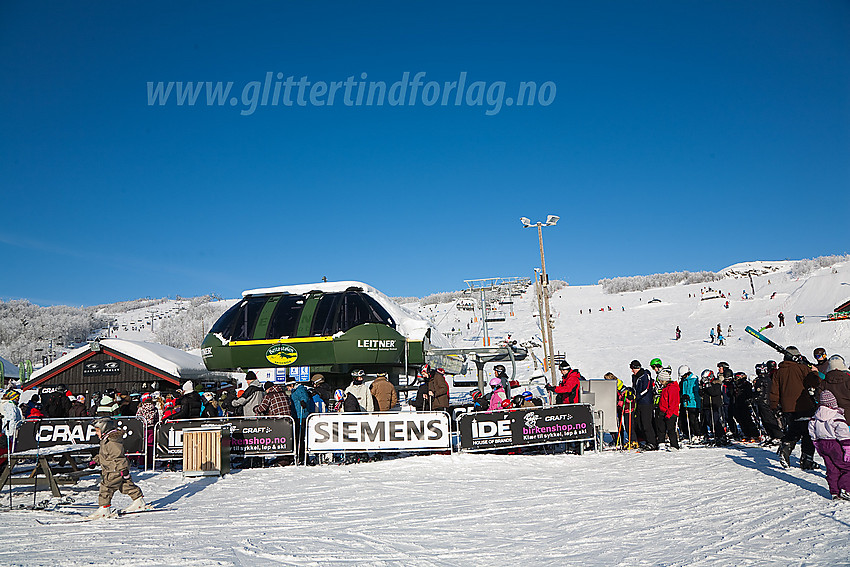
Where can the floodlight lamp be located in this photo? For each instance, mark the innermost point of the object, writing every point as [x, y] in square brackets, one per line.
[552, 220]
[526, 222]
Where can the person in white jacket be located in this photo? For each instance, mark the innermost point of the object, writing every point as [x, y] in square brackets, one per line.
[831, 435]
[360, 390]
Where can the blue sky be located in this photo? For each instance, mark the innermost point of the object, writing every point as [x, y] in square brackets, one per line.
[679, 136]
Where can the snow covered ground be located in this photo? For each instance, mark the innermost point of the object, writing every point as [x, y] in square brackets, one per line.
[731, 506]
[698, 506]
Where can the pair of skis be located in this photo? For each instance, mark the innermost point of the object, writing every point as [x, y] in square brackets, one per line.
[79, 518]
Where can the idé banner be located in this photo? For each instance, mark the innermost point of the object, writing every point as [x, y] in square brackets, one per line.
[525, 426]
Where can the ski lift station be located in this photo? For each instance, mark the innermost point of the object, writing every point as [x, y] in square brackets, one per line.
[291, 332]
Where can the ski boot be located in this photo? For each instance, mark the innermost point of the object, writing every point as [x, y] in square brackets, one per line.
[807, 463]
[102, 512]
[784, 453]
[843, 495]
[137, 505]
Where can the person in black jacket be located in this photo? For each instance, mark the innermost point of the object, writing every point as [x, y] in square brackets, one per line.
[761, 393]
[645, 397]
[711, 390]
[54, 400]
[743, 412]
[190, 403]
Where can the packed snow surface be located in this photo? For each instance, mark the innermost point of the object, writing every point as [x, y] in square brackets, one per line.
[705, 506]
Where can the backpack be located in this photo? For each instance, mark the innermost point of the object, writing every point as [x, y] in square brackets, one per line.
[351, 404]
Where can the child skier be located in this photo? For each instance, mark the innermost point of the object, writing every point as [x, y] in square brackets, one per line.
[831, 435]
[115, 470]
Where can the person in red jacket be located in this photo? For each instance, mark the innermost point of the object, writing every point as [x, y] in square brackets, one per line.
[568, 390]
[668, 407]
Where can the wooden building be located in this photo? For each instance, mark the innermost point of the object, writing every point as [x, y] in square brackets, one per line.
[126, 366]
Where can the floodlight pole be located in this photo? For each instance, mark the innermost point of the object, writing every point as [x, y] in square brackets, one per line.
[540, 315]
[545, 285]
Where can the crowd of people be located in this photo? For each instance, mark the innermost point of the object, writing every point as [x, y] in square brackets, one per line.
[794, 401]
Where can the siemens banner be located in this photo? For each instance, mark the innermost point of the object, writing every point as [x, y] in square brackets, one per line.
[389, 431]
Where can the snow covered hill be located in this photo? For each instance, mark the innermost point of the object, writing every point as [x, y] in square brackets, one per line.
[597, 339]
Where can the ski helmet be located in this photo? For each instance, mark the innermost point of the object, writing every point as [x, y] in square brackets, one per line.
[495, 382]
[740, 376]
[476, 393]
[771, 365]
[339, 395]
[518, 400]
[684, 370]
[707, 375]
[499, 368]
[527, 395]
[722, 365]
[506, 404]
[358, 373]
[655, 362]
[635, 364]
[105, 424]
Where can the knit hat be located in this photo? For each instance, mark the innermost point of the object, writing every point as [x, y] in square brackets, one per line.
[827, 399]
[793, 351]
[81, 398]
[634, 364]
[146, 397]
[13, 395]
[836, 362]
[665, 374]
[106, 400]
[188, 387]
[564, 365]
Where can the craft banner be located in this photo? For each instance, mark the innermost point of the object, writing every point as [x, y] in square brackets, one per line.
[249, 436]
[388, 431]
[525, 426]
[45, 433]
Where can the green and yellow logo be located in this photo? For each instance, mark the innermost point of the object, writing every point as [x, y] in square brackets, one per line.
[281, 355]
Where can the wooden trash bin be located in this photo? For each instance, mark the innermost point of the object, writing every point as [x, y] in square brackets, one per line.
[206, 451]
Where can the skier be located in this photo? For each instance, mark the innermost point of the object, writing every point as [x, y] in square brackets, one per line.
[498, 394]
[729, 331]
[781, 319]
[438, 391]
[821, 361]
[721, 341]
[828, 428]
[361, 391]
[790, 392]
[568, 389]
[384, 392]
[668, 407]
[837, 381]
[743, 412]
[644, 397]
[251, 397]
[761, 391]
[114, 470]
[678, 333]
[712, 400]
[691, 403]
[711, 335]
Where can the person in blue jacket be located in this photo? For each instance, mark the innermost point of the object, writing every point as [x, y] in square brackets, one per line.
[303, 405]
[691, 402]
[645, 398]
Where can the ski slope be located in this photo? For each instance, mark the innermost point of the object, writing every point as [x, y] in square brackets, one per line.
[698, 506]
[596, 340]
